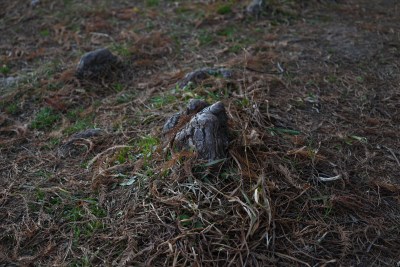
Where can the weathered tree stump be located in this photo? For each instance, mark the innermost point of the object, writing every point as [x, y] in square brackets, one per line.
[206, 132]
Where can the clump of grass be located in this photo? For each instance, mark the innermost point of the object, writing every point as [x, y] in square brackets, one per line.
[205, 38]
[160, 101]
[147, 145]
[123, 155]
[44, 33]
[45, 119]
[152, 3]
[235, 48]
[12, 109]
[122, 50]
[118, 87]
[5, 69]
[79, 125]
[227, 32]
[73, 114]
[224, 9]
[125, 97]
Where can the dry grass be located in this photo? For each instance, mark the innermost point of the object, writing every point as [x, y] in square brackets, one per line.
[311, 177]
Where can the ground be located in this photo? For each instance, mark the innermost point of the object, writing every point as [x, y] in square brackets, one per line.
[311, 177]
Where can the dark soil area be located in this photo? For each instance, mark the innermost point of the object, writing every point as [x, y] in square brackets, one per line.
[311, 176]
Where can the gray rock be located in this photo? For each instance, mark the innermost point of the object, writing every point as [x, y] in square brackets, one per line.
[7, 83]
[97, 64]
[203, 73]
[206, 133]
[35, 2]
[88, 133]
[255, 7]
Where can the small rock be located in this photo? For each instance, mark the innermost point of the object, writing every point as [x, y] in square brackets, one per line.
[206, 132]
[97, 64]
[255, 7]
[88, 133]
[203, 73]
[7, 83]
[35, 2]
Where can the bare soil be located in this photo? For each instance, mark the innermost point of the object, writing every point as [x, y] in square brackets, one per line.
[312, 172]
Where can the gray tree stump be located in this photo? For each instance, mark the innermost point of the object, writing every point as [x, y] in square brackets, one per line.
[206, 132]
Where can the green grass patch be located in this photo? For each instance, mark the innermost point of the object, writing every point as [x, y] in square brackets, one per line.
[12, 109]
[236, 48]
[74, 114]
[122, 50]
[52, 143]
[44, 33]
[227, 32]
[124, 155]
[45, 119]
[152, 3]
[205, 38]
[118, 87]
[5, 69]
[224, 9]
[79, 125]
[147, 145]
[125, 97]
[162, 100]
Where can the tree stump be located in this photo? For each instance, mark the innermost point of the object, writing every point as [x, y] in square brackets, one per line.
[206, 132]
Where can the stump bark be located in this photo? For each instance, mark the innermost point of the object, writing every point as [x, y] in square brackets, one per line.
[206, 132]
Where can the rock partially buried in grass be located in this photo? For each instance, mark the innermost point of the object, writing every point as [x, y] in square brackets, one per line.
[255, 7]
[97, 64]
[206, 132]
[203, 73]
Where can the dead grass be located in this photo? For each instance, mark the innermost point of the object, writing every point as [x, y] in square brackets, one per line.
[311, 177]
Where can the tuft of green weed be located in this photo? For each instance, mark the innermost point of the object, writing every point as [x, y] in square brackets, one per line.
[152, 3]
[40, 195]
[224, 9]
[5, 69]
[53, 142]
[243, 102]
[227, 32]
[79, 125]
[162, 100]
[205, 38]
[147, 145]
[359, 79]
[12, 109]
[45, 119]
[122, 50]
[125, 97]
[124, 155]
[44, 33]
[73, 114]
[118, 87]
[83, 262]
[235, 48]
[185, 220]
[331, 78]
